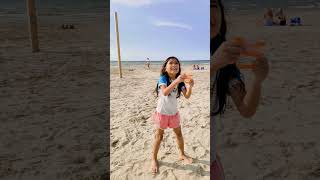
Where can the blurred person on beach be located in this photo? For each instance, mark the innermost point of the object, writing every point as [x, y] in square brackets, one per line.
[268, 17]
[280, 18]
[194, 67]
[169, 87]
[227, 80]
[148, 63]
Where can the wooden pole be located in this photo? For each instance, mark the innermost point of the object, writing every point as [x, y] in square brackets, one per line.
[33, 25]
[118, 43]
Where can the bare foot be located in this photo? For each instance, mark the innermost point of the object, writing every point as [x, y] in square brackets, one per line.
[154, 166]
[186, 160]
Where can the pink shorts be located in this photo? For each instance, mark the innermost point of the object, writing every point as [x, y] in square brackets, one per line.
[163, 121]
[216, 170]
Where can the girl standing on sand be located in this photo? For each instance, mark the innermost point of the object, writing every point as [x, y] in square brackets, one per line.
[169, 87]
[226, 79]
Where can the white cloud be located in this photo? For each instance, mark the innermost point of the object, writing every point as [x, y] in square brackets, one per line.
[134, 3]
[172, 24]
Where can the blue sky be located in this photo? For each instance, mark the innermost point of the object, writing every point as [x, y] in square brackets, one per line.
[161, 28]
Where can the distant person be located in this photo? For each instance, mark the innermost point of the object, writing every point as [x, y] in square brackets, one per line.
[194, 67]
[268, 17]
[280, 18]
[148, 63]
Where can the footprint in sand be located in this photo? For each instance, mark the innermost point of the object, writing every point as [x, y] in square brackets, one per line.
[279, 173]
[171, 175]
[125, 142]
[310, 84]
[79, 159]
[230, 143]
[200, 151]
[308, 145]
[263, 161]
[315, 172]
[200, 170]
[114, 143]
[251, 133]
[291, 97]
[145, 145]
[286, 149]
[194, 148]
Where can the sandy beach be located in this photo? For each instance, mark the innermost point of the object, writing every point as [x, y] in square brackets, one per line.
[282, 140]
[53, 103]
[132, 102]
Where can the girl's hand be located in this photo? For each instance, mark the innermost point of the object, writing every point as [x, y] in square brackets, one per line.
[181, 78]
[190, 82]
[261, 69]
[227, 53]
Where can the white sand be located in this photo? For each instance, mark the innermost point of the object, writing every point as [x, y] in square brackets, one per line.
[53, 102]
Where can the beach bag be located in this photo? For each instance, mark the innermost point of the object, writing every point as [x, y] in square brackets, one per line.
[295, 21]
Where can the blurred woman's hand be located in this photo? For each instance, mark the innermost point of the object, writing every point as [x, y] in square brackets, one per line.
[227, 53]
[261, 69]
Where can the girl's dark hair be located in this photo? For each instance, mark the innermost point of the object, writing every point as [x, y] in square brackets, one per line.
[225, 74]
[164, 73]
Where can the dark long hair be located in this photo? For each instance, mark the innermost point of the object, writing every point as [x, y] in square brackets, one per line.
[225, 74]
[164, 73]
